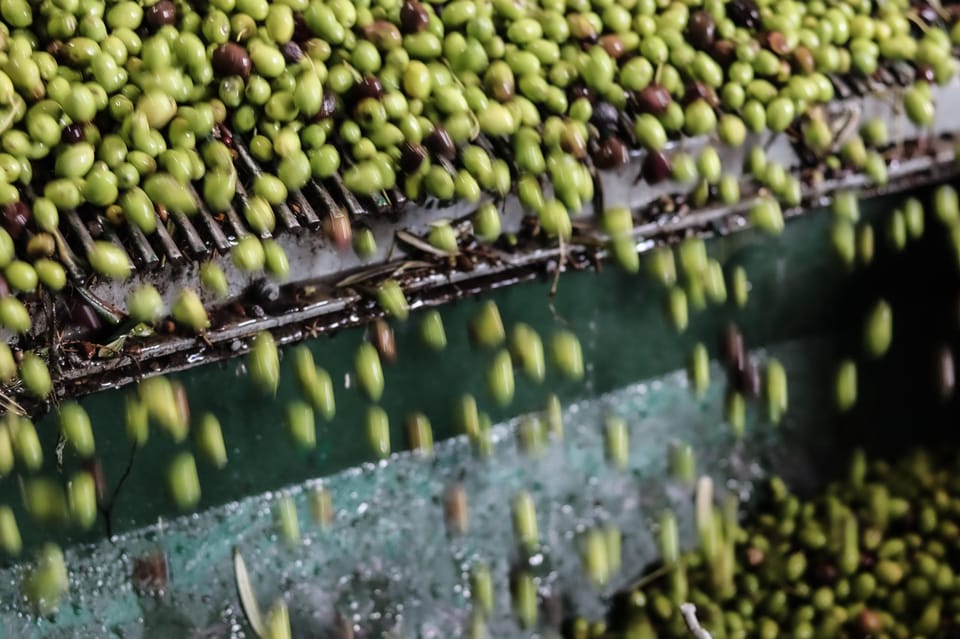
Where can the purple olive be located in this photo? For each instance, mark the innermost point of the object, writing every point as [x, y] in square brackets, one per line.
[160, 14]
[656, 167]
[16, 216]
[654, 99]
[412, 157]
[232, 59]
[413, 16]
[611, 154]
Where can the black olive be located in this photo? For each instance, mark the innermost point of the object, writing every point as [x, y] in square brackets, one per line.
[83, 315]
[744, 13]
[301, 30]
[73, 133]
[653, 99]
[160, 14]
[605, 116]
[747, 379]
[656, 167]
[369, 87]
[700, 91]
[232, 59]
[701, 29]
[724, 51]
[412, 157]
[291, 51]
[925, 73]
[927, 14]
[328, 106]
[413, 16]
[580, 90]
[611, 154]
[440, 143]
[16, 216]
[731, 348]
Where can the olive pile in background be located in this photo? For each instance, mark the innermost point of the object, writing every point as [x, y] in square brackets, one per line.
[873, 555]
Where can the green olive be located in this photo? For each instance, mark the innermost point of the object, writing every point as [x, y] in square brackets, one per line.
[442, 236]
[765, 214]
[486, 326]
[10, 540]
[567, 354]
[913, 217]
[82, 499]
[8, 365]
[76, 428]
[183, 481]
[35, 375]
[214, 279]
[878, 329]
[918, 106]
[165, 190]
[677, 308]
[946, 205]
[275, 259]
[500, 382]
[188, 311]
[21, 276]
[378, 431]
[432, 332]
[301, 425]
[776, 390]
[617, 438]
[845, 385]
[391, 297]
[145, 304]
[369, 371]
[14, 315]
[264, 363]
[109, 260]
[527, 349]
[27, 445]
[209, 441]
[51, 273]
[137, 417]
[248, 254]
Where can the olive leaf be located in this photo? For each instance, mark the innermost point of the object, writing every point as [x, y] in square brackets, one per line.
[248, 600]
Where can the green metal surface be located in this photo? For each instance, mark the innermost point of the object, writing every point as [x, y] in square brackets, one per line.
[387, 562]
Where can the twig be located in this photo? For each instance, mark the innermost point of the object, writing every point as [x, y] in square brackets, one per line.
[108, 509]
[689, 612]
[560, 264]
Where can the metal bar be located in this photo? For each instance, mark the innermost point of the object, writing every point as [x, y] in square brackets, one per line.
[195, 244]
[80, 230]
[147, 255]
[300, 206]
[217, 236]
[170, 248]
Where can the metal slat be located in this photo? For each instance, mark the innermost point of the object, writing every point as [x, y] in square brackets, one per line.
[217, 236]
[195, 245]
[300, 206]
[79, 230]
[146, 254]
[170, 249]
